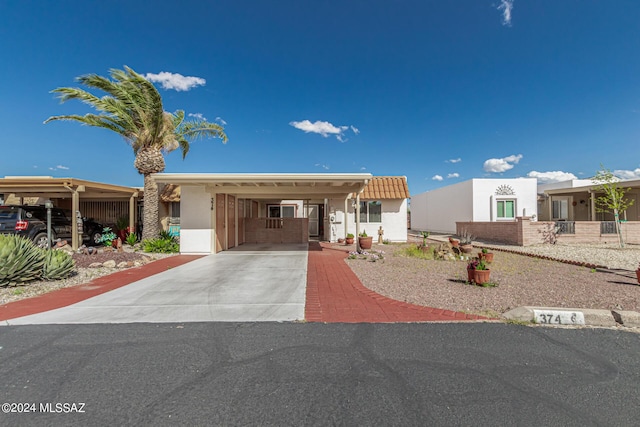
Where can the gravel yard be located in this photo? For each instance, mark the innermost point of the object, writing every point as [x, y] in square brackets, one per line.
[521, 280]
[84, 274]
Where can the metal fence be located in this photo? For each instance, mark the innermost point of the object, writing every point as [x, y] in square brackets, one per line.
[565, 227]
[607, 227]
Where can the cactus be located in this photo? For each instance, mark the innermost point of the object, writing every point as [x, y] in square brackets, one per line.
[20, 260]
[57, 265]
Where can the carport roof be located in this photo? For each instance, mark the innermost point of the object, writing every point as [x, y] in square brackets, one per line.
[47, 186]
[274, 185]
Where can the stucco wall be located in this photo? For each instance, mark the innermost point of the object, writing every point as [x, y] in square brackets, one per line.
[485, 197]
[474, 200]
[394, 220]
[439, 210]
[195, 220]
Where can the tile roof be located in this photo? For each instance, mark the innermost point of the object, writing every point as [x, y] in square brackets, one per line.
[386, 187]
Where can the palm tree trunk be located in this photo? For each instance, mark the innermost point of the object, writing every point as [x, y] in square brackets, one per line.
[151, 225]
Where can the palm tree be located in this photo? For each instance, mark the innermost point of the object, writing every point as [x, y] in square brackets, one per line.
[133, 109]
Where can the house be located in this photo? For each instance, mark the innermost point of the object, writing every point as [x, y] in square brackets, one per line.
[574, 200]
[220, 211]
[475, 200]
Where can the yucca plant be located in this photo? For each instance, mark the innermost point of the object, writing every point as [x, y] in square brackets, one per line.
[20, 260]
[57, 265]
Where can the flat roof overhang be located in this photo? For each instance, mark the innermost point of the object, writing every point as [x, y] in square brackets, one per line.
[274, 185]
[43, 186]
[633, 184]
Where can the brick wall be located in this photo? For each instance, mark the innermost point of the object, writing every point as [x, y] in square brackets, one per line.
[524, 232]
[292, 230]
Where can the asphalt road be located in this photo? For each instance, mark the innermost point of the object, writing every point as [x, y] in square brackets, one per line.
[319, 374]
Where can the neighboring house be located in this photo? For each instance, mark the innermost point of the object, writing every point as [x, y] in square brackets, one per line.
[476, 200]
[574, 200]
[220, 211]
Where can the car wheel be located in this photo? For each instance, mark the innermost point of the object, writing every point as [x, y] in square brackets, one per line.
[41, 241]
[94, 238]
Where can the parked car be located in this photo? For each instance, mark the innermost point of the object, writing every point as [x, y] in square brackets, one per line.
[31, 222]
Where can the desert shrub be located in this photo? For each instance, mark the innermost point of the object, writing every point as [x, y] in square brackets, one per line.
[20, 260]
[160, 245]
[57, 265]
[417, 252]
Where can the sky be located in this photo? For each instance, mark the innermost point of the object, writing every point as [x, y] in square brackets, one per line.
[438, 91]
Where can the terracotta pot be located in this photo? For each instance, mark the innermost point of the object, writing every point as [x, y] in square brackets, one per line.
[454, 242]
[481, 276]
[341, 240]
[638, 274]
[466, 249]
[365, 242]
[470, 275]
[349, 240]
[488, 257]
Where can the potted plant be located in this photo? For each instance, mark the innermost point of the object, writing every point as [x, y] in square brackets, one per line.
[638, 273]
[349, 239]
[341, 240]
[364, 241]
[465, 242]
[454, 242]
[122, 227]
[481, 273]
[471, 268]
[108, 237]
[486, 255]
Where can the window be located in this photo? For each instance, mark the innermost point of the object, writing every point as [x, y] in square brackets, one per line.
[175, 209]
[370, 211]
[506, 209]
[560, 209]
[282, 211]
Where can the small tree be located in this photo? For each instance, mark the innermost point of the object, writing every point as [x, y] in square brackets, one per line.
[612, 200]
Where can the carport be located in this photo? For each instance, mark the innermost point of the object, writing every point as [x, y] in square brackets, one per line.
[67, 193]
[220, 211]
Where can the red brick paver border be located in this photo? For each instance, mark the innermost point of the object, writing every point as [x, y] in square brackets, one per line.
[335, 294]
[67, 296]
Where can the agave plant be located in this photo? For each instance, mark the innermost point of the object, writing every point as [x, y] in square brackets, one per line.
[20, 260]
[57, 265]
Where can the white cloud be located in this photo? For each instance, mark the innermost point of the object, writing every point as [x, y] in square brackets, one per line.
[198, 116]
[175, 81]
[437, 178]
[324, 128]
[221, 121]
[363, 168]
[501, 165]
[325, 167]
[626, 174]
[506, 6]
[551, 176]
[458, 160]
[453, 175]
[58, 167]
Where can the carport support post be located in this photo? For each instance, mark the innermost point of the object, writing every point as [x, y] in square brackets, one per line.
[132, 213]
[346, 217]
[75, 208]
[358, 222]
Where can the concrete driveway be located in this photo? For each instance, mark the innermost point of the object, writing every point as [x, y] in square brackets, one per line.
[254, 282]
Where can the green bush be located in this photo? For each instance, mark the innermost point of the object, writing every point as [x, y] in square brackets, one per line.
[57, 265]
[160, 245]
[132, 239]
[20, 260]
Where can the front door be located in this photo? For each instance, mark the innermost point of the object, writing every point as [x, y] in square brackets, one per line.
[231, 222]
[314, 224]
[220, 229]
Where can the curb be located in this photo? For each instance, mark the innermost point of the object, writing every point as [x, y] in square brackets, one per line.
[592, 317]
